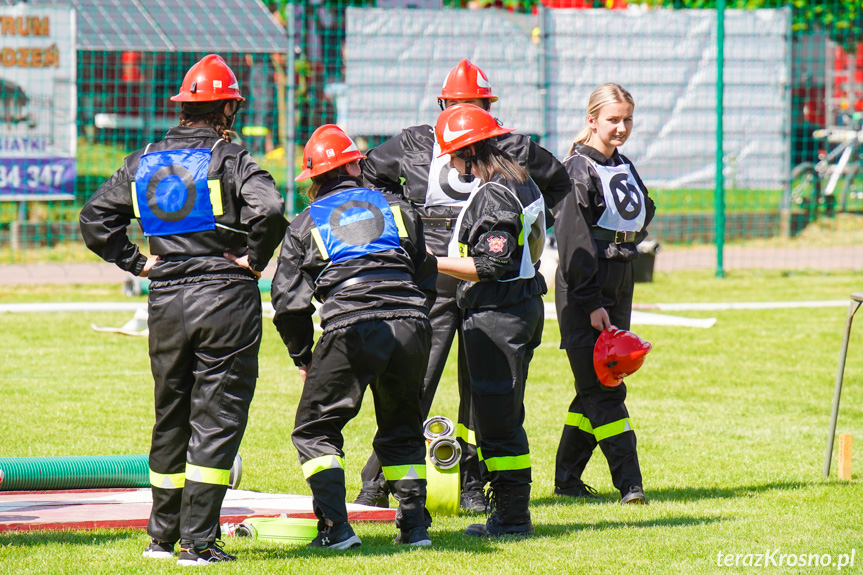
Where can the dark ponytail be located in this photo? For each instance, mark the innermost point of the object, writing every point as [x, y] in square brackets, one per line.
[489, 160]
[210, 113]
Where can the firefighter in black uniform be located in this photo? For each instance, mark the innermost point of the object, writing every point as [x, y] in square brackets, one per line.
[433, 186]
[362, 254]
[213, 218]
[599, 226]
[497, 241]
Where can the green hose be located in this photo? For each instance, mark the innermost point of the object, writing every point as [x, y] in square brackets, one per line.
[141, 286]
[84, 472]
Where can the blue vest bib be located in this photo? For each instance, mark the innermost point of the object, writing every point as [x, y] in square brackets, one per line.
[355, 223]
[171, 192]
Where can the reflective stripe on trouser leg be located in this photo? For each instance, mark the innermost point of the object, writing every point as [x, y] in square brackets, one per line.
[398, 472]
[506, 463]
[611, 429]
[322, 463]
[210, 475]
[167, 480]
[466, 435]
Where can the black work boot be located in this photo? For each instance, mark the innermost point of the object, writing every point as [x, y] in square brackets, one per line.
[474, 501]
[579, 491]
[510, 515]
[633, 495]
[373, 495]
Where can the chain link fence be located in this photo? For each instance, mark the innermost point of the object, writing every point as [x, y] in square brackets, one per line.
[781, 144]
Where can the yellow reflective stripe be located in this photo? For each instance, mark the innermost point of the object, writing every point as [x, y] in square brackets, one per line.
[167, 480]
[209, 475]
[320, 242]
[508, 463]
[400, 221]
[216, 196]
[580, 421]
[521, 233]
[462, 250]
[256, 131]
[322, 463]
[396, 472]
[465, 434]
[135, 201]
[612, 429]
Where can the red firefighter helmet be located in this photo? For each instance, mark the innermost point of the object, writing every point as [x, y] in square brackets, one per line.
[463, 124]
[466, 82]
[618, 353]
[328, 148]
[208, 80]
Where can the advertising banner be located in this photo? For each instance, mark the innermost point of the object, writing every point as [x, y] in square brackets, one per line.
[37, 103]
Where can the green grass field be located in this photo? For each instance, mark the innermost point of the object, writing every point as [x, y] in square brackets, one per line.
[731, 421]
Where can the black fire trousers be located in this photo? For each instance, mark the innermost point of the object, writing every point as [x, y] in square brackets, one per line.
[499, 345]
[389, 356]
[446, 320]
[204, 340]
[597, 415]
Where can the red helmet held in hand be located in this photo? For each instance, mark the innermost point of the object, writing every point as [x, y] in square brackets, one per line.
[210, 79]
[464, 124]
[618, 353]
[328, 148]
[465, 82]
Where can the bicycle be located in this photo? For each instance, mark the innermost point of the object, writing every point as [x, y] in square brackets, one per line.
[842, 162]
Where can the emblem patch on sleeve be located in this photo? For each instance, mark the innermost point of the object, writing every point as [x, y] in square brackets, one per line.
[496, 244]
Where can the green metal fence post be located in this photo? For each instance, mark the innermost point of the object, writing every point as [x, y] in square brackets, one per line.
[291, 136]
[720, 179]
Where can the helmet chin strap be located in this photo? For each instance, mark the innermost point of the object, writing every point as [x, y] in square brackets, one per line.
[467, 176]
[468, 158]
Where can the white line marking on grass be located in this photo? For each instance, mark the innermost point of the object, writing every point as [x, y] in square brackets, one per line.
[69, 307]
[741, 305]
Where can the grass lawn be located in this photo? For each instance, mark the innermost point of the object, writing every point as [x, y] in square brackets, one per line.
[731, 422]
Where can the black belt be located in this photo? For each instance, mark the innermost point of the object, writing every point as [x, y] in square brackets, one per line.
[439, 223]
[618, 237]
[373, 276]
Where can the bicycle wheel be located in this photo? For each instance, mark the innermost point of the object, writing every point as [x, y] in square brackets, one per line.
[805, 188]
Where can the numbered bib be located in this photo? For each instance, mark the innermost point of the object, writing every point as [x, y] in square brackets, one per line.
[444, 187]
[171, 194]
[624, 200]
[354, 223]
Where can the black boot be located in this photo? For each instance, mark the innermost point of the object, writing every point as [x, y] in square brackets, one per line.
[374, 495]
[510, 515]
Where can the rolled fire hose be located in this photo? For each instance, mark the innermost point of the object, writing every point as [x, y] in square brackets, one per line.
[84, 472]
[442, 466]
[135, 286]
[287, 529]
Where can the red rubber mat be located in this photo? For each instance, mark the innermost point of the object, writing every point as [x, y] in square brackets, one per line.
[130, 509]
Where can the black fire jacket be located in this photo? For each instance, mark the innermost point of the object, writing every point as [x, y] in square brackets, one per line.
[578, 250]
[253, 222]
[303, 273]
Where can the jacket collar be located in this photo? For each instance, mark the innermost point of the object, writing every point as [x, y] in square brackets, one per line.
[598, 156]
[338, 184]
[191, 132]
